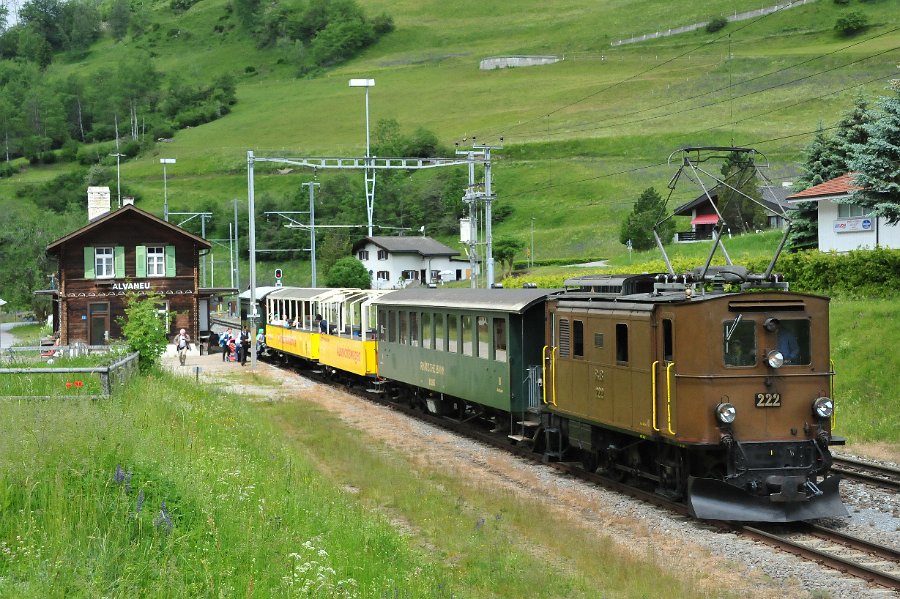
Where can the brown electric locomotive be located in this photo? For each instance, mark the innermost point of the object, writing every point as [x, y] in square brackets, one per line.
[718, 397]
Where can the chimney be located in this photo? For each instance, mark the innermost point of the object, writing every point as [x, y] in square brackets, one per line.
[128, 201]
[98, 202]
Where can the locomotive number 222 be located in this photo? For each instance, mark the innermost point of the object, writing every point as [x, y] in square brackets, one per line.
[768, 400]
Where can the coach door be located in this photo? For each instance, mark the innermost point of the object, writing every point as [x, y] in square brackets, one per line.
[663, 377]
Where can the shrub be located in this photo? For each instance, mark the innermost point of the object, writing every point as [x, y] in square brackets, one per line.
[851, 23]
[842, 2]
[144, 329]
[716, 24]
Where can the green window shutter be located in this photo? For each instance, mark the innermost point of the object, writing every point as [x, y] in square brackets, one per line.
[89, 263]
[120, 261]
[140, 261]
[170, 260]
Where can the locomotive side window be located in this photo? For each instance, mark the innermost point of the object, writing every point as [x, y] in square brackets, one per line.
[414, 329]
[465, 325]
[578, 338]
[440, 338]
[427, 333]
[500, 339]
[668, 340]
[793, 341]
[739, 342]
[483, 336]
[452, 334]
[622, 343]
[404, 323]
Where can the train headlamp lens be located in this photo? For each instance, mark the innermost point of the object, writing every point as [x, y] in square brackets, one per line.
[726, 413]
[775, 359]
[823, 407]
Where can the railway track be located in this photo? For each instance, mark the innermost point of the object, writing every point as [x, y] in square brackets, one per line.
[883, 477]
[848, 554]
[875, 563]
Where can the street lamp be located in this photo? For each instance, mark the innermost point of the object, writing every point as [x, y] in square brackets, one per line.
[370, 174]
[118, 155]
[164, 162]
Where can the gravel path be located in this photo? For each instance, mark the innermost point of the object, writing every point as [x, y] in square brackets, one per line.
[712, 560]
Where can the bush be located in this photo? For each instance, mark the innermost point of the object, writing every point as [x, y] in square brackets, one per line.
[716, 24]
[851, 23]
[842, 2]
[143, 328]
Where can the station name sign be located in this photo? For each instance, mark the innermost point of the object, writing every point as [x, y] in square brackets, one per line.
[131, 286]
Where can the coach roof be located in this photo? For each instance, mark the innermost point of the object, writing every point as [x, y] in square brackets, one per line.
[494, 300]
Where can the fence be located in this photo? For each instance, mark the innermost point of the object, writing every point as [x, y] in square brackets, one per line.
[112, 376]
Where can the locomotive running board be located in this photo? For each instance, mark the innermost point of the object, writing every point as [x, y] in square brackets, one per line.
[711, 499]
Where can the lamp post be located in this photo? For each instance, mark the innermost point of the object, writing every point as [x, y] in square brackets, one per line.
[164, 162]
[532, 242]
[370, 174]
[118, 155]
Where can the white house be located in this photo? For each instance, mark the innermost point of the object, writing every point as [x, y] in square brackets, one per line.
[842, 226]
[395, 262]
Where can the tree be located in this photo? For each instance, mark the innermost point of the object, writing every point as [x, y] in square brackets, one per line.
[119, 17]
[144, 328]
[739, 199]
[505, 250]
[877, 162]
[851, 23]
[348, 272]
[638, 226]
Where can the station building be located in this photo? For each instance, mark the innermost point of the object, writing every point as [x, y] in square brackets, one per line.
[119, 252]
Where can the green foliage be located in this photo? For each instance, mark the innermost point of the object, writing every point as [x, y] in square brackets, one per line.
[851, 23]
[24, 265]
[716, 24]
[739, 201]
[119, 18]
[348, 272]
[505, 250]
[144, 328]
[860, 273]
[876, 160]
[649, 209]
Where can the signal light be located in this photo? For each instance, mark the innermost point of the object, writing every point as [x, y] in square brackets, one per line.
[277, 273]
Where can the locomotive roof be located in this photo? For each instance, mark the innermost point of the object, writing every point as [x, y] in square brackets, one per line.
[496, 300]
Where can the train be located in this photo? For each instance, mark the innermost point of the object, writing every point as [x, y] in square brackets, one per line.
[715, 388]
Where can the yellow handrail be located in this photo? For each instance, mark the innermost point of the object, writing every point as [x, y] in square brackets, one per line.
[833, 402]
[653, 393]
[544, 374]
[554, 351]
[669, 396]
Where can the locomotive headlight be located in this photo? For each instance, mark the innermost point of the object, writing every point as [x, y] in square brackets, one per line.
[726, 413]
[775, 359]
[823, 407]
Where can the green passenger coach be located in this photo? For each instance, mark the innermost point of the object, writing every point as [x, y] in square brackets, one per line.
[461, 350]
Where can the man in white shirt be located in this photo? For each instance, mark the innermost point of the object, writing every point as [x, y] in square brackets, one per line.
[182, 345]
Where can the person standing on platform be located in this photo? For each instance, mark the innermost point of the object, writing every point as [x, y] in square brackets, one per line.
[245, 344]
[182, 343]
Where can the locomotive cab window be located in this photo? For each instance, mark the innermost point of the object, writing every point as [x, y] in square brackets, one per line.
[578, 338]
[739, 342]
[792, 338]
[668, 340]
[622, 343]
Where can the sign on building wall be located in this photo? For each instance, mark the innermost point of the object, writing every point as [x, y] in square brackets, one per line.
[852, 225]
[98, 201]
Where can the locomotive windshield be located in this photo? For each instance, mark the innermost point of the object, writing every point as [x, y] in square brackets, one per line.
[793, 341]
[739, 342]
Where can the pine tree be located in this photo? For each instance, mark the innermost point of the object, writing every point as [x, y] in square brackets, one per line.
[638, 226]
[822, 164]
[877, 162]
[737, 207]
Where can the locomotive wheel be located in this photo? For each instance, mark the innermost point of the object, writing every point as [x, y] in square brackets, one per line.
[607, 465]
[590, 461]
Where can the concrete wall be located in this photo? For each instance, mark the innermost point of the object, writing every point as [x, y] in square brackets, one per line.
[503, 62]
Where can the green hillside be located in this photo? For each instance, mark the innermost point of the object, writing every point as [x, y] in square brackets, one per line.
[581, 138]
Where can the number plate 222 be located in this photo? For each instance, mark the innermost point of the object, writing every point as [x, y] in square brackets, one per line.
[768, 400]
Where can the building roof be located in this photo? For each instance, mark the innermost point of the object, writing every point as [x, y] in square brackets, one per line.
[424, 246]
[493, 300]
[836, 188]
[773, 198]
[115, 214]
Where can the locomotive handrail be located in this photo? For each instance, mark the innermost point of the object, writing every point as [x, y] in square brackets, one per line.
[544, 373]
[653, 393]
[669, 396]
[831, 393]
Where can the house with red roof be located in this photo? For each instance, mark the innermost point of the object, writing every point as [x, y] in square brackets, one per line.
[843, 226]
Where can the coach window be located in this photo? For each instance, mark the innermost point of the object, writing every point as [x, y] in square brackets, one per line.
[452, 334]
[578, 338]
[404, 324]
[414, 329]
[440, 335]
[483, 335]
[465, 334]
[500, 339]
[739, 342]
[392, 326]
[427, 333]
[668, 340]
[622, 343]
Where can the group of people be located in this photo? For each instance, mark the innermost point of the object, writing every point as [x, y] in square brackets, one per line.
[235, 348]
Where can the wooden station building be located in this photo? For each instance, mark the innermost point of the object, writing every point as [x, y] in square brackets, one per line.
[122, 251]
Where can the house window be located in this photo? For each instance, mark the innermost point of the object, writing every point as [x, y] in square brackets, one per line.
[851, 211]
[409, 275]
[363, 254]
[156, 261]
[382, 255]
[383, 275]
[103, 263]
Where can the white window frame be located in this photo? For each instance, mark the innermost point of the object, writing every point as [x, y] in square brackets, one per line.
[104, 262]
[156, 261]
[383, 275]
